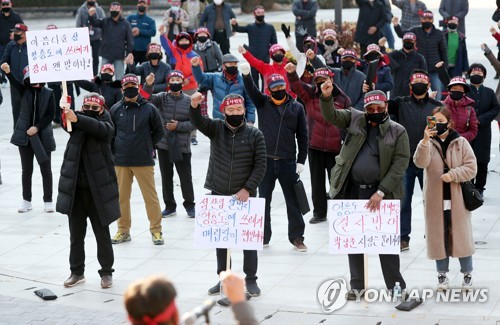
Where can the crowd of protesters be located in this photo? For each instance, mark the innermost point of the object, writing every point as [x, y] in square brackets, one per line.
[370, 138]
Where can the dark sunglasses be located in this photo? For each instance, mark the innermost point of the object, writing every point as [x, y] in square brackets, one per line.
[5, 4]
[92, 107]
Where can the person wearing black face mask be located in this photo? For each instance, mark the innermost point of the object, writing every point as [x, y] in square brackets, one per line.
[33, 135]
[155, 66]
[431, 44]
[329, 49]
[138, 129]
[372, 18]
[117, 38]
[411, 112]
[349, 79]
[487, 108]
[283, 122]
[95, 33]
[175, 146]
[143, 28]
[8, 20]
[461, 108]
[384, 77]
[261, 38]
[372, 170]
[458, 62]
[305, 21]
[104, 85]
[247, 157]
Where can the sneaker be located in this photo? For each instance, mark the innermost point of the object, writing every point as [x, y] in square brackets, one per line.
[467, 282]
[265, 245]
[157, 238]
[194, 142]
[25, 206]
[226, 303]
[253, 289]
[299, 245]
[168, 213]
[49, 207]
[353, 294]
[73, 280]
[191, 212]
[443, 282]
[0, 178]
[316, 219]
[120, 237]
[215, 290]
[106, 281]
[404, 245]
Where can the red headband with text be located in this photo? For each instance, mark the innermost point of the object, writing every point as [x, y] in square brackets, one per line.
[93, 100]
[231, 101]
[419, 76]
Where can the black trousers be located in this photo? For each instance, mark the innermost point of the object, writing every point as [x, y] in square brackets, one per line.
[320, 166]
[299, 41]
[95, 56]
[482, 173]
[390, 263]
[221, 39]
[256, 76]
[183, 169]
[250, 262]
[27, 156]
[83, 207]
[15, 100]
[139, 57]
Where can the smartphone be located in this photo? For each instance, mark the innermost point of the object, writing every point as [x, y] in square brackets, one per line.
[431, 122]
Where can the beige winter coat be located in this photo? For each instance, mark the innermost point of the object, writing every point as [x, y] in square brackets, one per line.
[462, 163]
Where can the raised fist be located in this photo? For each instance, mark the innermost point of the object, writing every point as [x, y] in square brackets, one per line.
[92, 11]
[195, 61]
[244, 68]
[290, 67]
[150, 79]
[196, 99]
[327, 88]
[5, 67]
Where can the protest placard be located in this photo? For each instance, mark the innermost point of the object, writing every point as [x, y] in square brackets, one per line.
[59, 55]
[353, 229]
[224, 222]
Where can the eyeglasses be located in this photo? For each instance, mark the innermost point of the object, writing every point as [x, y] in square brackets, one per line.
[92, 107]
[5, 4]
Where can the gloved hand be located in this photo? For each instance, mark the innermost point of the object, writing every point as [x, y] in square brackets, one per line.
[64, 103]
[286, 30]
[301, 30]
[300, 168]
[244, 68]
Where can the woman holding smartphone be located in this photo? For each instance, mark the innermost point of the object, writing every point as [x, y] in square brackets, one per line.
[447, 159]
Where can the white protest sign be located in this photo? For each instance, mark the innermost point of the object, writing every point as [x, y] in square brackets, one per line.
[354, 229]
[59, 55]
[224, 222]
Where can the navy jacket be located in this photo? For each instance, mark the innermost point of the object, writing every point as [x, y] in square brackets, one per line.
[260, 38]
[17, 57]
[6, 24]
[117, 40]
[402, 64]
[147, 29]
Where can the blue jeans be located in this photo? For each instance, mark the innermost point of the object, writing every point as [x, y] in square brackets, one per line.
[284, 170]
[436, 84]
[387, 31]
[409, 184]
[119, 67]
[465, 264]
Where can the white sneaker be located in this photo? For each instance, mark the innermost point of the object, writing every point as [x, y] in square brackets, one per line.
[443, 282]
[25, 206]
[49, 207]
[467, 282]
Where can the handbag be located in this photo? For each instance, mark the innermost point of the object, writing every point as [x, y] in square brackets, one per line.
[300, 193]
[472, 197]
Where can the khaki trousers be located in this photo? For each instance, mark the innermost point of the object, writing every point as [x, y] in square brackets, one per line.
[146, 180]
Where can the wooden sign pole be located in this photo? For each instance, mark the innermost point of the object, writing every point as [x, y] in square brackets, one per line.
[64, 87]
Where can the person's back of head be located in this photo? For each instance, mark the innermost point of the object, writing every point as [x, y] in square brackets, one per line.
[151, 301]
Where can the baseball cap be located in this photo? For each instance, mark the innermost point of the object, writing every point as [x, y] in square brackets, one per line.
[19, 28]
[323, 72]
[329, 33]
[226, 58]
[372, 48]
[375, 97]
[275, 80]
[108, 66]
[348, 53]
[409, 36]
[175, 73]
[459, 81]
[130, 78]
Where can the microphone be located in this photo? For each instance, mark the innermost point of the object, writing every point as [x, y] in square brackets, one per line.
[190, 318]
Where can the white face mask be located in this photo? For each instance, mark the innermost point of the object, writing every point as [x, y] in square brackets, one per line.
[218, 2]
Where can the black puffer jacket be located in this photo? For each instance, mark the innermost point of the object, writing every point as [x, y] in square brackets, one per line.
[237, 158]
[432, 46]
[160, 71]
[370, 15]
[89, 147]
[280, 125]
[138, 129]
[402, 64]
[40, 115]
[111, 91]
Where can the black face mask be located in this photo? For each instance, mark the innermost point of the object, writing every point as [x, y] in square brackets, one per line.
[106, 77]
[441, 128]
[141, 9]
[456, 95]
[476, 79]
[376, 117]
[235, 120]
[408, 45]
[91, 3]
[419, 88]
[184, 46]
[278, 58]
[202, 39]
[259, 18]
[17, 37]
[347, 65]
[175, 87]
[372, 56]
[426, 25]
[279, 94]
[91, 113]
[154, 56]
[308, 47]
[452, 26]
[329, 42]
[232, 71]
[130, 92]
[114, 14]
[6, 9]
